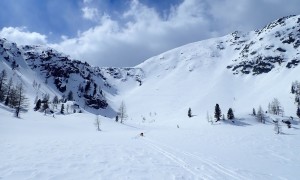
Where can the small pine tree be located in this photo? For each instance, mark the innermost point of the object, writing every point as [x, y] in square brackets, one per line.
[218, 112]
[62, 109]
[298, 112]
[190, 113]
[293, 89]
[38, 105]
[45, 106]
[230, 114]
[253, 112]
[70, 96]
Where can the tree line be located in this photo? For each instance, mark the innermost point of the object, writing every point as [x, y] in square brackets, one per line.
[12, 95]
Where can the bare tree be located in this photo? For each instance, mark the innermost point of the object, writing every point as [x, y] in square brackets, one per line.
[261, 115]
[21, 99]
[207, 116]
[277, 127]
[8, 91]
[55, 102]
[122, 112]
[97, 123]
[275, 107]
[3, 79]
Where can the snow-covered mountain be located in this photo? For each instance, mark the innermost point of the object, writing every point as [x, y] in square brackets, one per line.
[239, 70]
[46, 71]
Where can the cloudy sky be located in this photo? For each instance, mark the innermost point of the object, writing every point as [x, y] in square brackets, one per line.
[127, 32]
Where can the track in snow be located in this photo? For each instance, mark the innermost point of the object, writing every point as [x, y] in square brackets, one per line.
[198, 167]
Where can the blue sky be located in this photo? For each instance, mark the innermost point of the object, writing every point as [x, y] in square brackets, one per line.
[94, 30]
[55, 18]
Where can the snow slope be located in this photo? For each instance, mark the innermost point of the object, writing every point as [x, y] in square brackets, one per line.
[222, 70]
[69, 147]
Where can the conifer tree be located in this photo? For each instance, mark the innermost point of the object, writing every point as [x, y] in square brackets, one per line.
[298, 112]
[253, 112]
[70, 96]
[62, 109]
[38, 105]
[189, 113]
[230, 114]
[218, 112]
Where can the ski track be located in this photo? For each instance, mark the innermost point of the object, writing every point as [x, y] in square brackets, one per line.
[173, 158]
[178, 156]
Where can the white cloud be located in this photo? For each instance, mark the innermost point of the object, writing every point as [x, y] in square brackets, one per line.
[90, 13]
[21, 36]
[87, 1]
[141, 32]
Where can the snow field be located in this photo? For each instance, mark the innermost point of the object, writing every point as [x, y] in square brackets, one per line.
[69, 147]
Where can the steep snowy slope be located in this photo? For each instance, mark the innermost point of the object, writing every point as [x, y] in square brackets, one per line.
[240, 70]
[45, 71]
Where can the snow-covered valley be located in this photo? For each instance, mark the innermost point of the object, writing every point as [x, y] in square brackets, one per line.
[241, 71]
[69, 147]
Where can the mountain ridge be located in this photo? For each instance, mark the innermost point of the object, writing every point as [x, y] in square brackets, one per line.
[273, 49]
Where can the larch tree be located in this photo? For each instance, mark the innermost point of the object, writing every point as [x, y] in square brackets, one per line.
[260, 116]
[122, 112]
[8, 92]
[3, 79]
[98, 123]
[55, 102]
[277, 127]
[21, 100]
